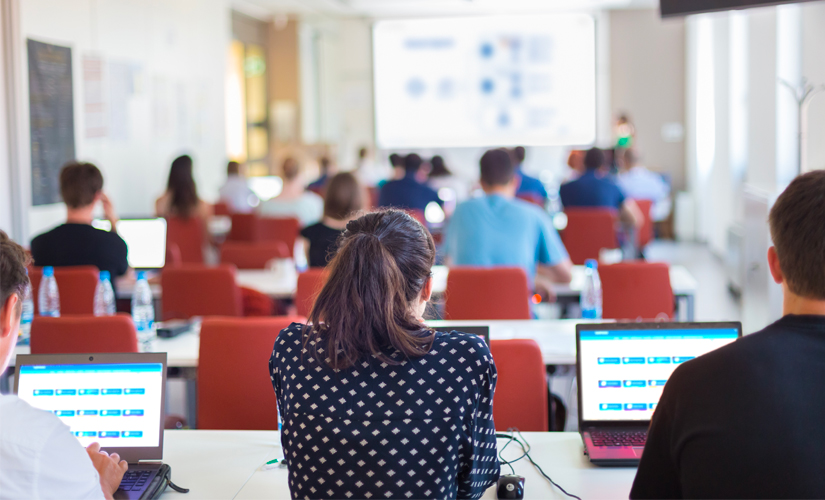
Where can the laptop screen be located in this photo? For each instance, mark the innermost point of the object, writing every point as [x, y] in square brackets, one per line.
[622, 371]
[115, 404]
[145, 239]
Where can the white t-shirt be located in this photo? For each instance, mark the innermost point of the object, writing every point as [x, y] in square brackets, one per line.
[307, 208]
[40, 458]
[237, 194]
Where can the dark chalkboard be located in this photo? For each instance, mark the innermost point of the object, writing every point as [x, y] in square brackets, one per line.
[51, 115]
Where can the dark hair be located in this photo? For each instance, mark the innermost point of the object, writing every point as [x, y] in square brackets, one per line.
[182, 187]
[362, 152]
[593, 159]
[233, 168]
[412, 163]
[290, 168]
[13, 262]
[324, 163]
[796, 222]
[396, 160]
[343, 196]
[496, 168]
[519, 153]
[79, 184]
[383, 262]
[439, 169]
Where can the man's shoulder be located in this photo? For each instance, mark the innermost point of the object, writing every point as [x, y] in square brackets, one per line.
[25, 425]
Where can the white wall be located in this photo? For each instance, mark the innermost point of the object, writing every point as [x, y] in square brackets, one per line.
[179, 51]
[813, 67]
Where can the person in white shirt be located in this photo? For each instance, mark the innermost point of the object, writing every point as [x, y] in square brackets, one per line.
[39, 456]
[639, 183]
[236, 192]
[294, 200]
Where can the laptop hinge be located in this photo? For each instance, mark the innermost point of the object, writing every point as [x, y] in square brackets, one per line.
[150, 462]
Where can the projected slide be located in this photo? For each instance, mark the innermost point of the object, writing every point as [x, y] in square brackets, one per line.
[486, 81]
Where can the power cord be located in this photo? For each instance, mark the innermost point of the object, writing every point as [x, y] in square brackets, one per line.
[525, 448]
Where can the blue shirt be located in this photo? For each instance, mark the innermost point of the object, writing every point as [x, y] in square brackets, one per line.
[419, 429]
[319, 183]
[590, 190]
[530, 186]
[498, 231]
[407, 193]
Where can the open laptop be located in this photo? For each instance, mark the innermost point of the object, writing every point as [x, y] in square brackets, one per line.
[113, 399]
[145, 239]
[622, 369]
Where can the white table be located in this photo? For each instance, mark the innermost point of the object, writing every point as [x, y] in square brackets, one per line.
[227, 464]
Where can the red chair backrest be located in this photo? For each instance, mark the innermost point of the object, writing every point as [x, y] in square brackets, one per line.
[487, 293]
[75, 285]
[196, 290]
[633, 290]
[83, 334]
[246, 255]
[221, 208]
[588, 231]
[373, 193]
[310, 283]
[521, 386]
[188, 234]
[645, 234]
[286, 230]
[244, 228]
[234, 385]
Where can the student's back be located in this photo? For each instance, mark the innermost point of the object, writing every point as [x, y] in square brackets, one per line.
[81, 245]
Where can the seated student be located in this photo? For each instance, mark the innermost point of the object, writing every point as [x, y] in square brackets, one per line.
[745, 421]
[408, 192]
[440, 177]
[294, 200]
[181, 196]
[529, 187]
[236, 192]
[639, 183]
[344, 198]
[368, 172]
[319, 184]
[500, 230]
[371, 408]
[77, 243]
[39, 456]
[595, 189]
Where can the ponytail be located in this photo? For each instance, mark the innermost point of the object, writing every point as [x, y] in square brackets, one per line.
[383, 262]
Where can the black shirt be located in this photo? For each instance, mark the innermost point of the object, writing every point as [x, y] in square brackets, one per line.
[322, 240]
[81, 245]
[744, 421]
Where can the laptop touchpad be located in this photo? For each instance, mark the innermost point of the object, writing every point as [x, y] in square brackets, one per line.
[638, 451]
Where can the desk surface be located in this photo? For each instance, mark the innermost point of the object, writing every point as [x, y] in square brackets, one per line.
[227, 464]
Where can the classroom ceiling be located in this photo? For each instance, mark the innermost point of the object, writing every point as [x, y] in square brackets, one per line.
[426, 8]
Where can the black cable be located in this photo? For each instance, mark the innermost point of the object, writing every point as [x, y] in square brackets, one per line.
[525, 446]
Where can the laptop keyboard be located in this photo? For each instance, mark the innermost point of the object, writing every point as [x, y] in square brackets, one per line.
[135, 480]
[618, 438]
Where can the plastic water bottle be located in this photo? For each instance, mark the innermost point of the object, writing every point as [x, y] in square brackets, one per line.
[27, 315]
[591, 295]
[48, 297]
[104, 296]
[143, 311]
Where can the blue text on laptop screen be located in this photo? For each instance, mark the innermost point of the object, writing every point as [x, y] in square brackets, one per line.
[117, 405]
[623, 372]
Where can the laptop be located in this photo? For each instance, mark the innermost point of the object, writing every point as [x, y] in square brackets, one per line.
[113, 399]
[145, 239]
[622, 369]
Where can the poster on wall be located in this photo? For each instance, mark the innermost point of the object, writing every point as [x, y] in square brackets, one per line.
[51, 117]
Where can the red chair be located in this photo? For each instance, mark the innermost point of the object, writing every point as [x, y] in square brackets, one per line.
[83, 334]
[244, 228]
[373, 193]
[417, 215]
[634, 290]
[234, 384]
[246, 255]
[189, 235]
[75, 284]
[645, 233]
[310, 283]
[197, 290]
[286, 230]
[521, 386]
[487, 293]
[221, 208]
[588, 231]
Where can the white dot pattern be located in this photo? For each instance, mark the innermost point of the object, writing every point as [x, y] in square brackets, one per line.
[420, 429]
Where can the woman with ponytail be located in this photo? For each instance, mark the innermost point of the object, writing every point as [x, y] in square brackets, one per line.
[374, 403]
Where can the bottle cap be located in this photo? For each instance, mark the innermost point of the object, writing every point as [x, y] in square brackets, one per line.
[104, 275]
[591, 264]
[141, 275]
[48, 271]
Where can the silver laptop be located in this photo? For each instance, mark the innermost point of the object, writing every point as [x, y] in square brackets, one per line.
[622, 370]
[113, 399]
[145, 239]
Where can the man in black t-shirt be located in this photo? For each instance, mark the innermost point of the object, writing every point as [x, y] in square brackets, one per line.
[748, 420]
[77, 243]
